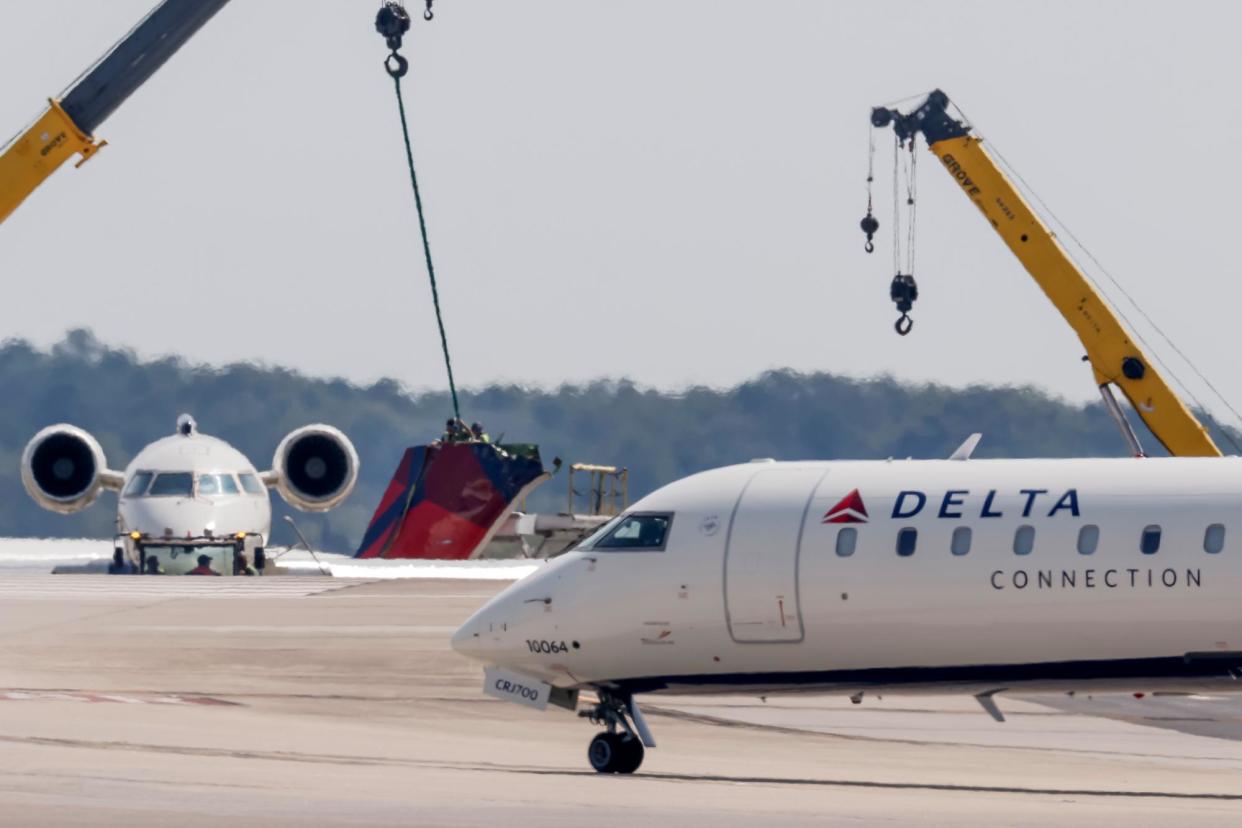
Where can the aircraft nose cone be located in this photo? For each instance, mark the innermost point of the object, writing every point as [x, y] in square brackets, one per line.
[466, 641]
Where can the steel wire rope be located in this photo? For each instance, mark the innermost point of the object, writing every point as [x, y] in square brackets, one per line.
[893, 104]
[870, 157]
[912, 205]
[422, 228]
[896, 205]
[870, 164]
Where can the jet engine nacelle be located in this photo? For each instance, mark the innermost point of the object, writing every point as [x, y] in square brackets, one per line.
[315, 468]
[64, 470]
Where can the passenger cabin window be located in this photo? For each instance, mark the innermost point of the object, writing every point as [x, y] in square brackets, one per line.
[1214, 539]
[1024, 540]
[138, 484]
[960, 544]
[907, 539]
[252, 484]
[216, 484]
[637, 532]
[1088, 539]
[1150, 542]
[847, 539]
[172, 484]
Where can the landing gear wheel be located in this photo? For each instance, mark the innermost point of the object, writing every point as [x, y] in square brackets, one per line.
[631, 755]
[613, 753]
[604, 752]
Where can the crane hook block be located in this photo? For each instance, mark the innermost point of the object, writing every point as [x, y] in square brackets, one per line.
[904, 291]
[393, 21]
[869, 226]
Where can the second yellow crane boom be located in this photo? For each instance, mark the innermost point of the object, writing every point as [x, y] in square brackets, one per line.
[1116, 359]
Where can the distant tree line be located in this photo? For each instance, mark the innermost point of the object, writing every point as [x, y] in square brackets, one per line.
[659, 435]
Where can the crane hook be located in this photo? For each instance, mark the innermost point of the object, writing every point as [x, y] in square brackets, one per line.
[428, 14]
[903, 324]
[869, 225]
[396, 66]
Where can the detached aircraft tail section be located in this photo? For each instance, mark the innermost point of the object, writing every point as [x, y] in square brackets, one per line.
[445, 501]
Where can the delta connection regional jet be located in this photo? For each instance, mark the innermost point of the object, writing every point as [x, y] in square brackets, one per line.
[970, 576]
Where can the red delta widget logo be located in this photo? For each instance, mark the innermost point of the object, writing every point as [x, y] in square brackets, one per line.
[956, 503]
[851, 509]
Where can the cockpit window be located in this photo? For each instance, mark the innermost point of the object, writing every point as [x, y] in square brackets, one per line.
[605, 528]
[216, 484]
[138, 484]
[251, 484]
[172, 484]
[637, 532]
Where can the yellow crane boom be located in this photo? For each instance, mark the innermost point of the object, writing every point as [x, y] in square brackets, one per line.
[65, 128]
[1116, 359]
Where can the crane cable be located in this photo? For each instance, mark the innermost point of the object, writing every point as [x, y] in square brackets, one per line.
[392, 22]
[869, 223]
[903, 290]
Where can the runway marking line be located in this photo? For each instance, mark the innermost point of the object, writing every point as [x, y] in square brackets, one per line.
[112, 698]
[112, 587]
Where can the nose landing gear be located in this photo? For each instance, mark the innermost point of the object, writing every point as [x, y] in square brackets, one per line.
[615, 752]
[620, 748]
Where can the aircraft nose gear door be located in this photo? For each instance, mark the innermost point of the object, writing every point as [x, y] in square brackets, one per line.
[761, 555]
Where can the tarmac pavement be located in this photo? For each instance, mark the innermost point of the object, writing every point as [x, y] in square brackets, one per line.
[319, 701]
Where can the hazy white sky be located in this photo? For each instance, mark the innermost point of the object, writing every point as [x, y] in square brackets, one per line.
[666, 191]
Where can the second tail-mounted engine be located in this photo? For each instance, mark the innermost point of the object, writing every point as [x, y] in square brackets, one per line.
[315, 468]
[64, 470]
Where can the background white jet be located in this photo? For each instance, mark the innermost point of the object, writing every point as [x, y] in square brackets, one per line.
[190, 495]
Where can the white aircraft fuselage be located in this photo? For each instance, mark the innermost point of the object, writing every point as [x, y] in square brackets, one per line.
[208, 487]
[974, 576]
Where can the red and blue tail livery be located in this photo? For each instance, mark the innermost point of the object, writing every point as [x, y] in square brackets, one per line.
[445, 501]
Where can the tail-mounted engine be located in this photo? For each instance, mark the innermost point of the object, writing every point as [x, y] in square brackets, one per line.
[315, 468]
[64, 470]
